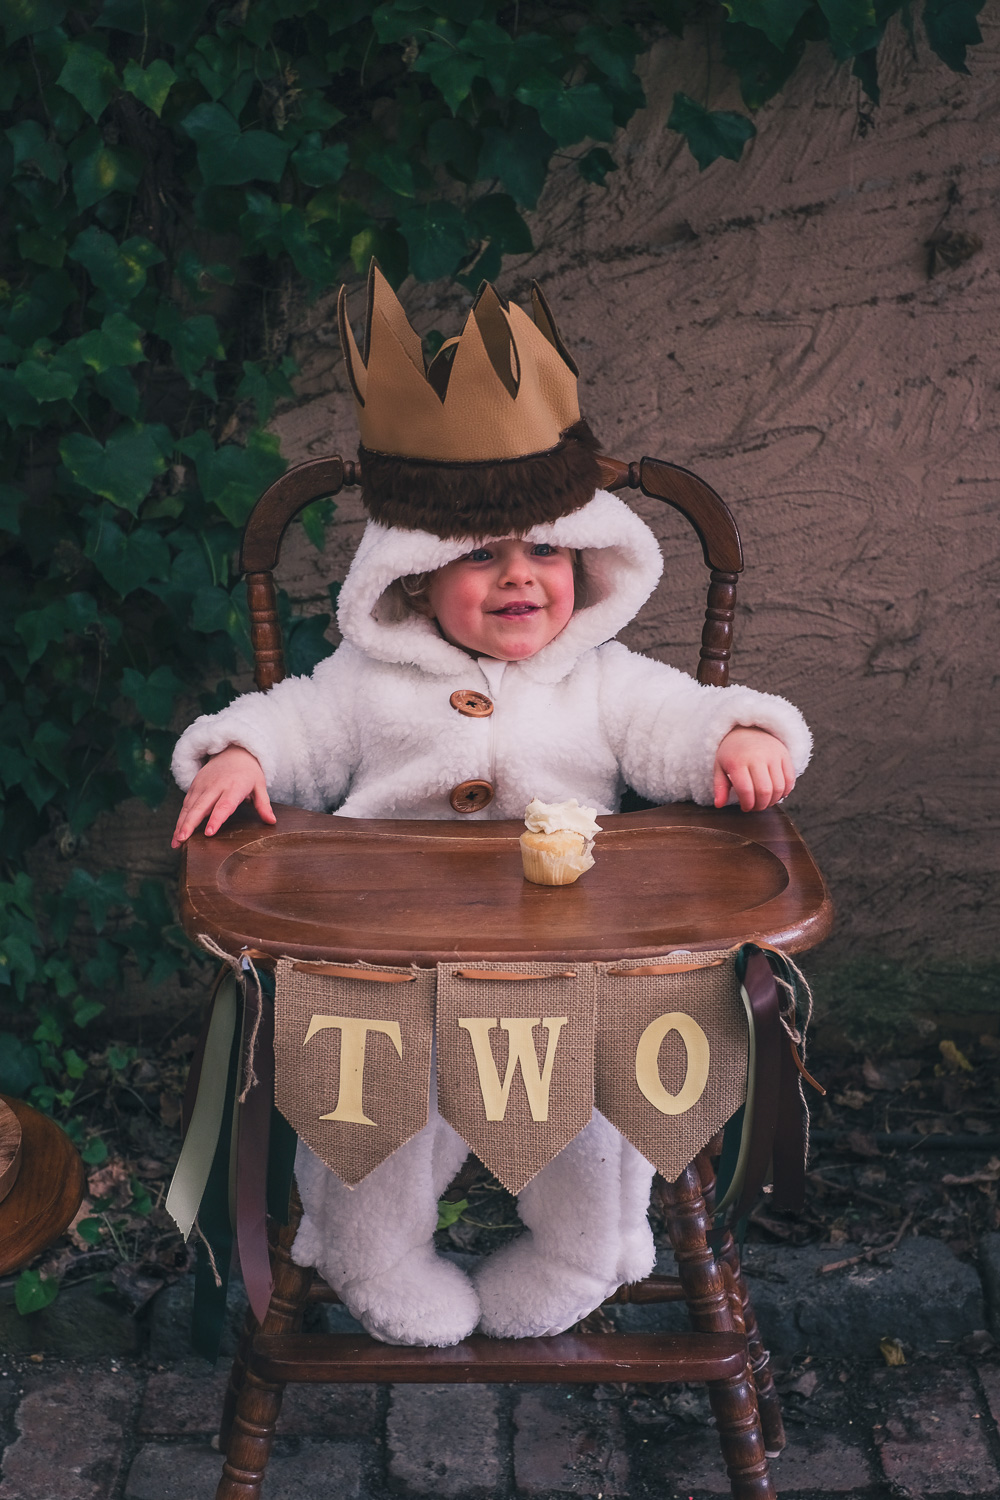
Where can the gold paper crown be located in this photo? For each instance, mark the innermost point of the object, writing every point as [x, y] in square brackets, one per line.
[505, 388]
[485, 440]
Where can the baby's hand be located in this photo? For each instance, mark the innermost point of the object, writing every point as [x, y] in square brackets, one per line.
[229, 778]
[756, 766]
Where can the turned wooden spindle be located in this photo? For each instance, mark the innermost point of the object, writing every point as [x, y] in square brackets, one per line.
[248, 1430]
[710, 1293]
[768, 1400]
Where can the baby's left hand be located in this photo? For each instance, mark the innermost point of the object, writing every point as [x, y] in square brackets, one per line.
[756, 765]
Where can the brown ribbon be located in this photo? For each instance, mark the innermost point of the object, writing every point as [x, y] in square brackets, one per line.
[252, 1143]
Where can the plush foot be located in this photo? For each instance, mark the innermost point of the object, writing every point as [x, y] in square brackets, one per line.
[525, 1295]
[421, 1300]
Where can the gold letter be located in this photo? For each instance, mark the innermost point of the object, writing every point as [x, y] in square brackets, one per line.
[520, 1049]
[353, 1037]
[647, 1063]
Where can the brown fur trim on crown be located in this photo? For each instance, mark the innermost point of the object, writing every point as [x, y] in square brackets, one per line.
[502, 497]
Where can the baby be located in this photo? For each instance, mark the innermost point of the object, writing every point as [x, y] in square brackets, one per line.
[494, 563]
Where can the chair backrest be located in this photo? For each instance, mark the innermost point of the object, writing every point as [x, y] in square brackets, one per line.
[321, 478]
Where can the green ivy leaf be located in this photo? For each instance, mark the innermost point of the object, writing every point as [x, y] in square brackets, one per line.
[28, 17]
[20, 1068]
[38, 309]
[117, 270]
[105, 170]
[848, 19]
[90, 77]
[117, 387]
[763, 69]
[951, 27]
[710, 133]
[215, 609]
[44, 249]
[450, 1213]
[193, 341]
[117, 342]
[229, 156]
[306, 644]
[128, 560]
[72, 614]
[149, 85]
[19, 407]
[121, 470]
[264, 387]
[11, 500]
[48, 748]
[233, 478]
[519, 154]
[32, 147]
[73, 1063]
[454, 144]
[777, 19]
[596, 164]
[571, 114]
[91, 1230]
[98, 892]
[154, 695]
[95, 1151]
[318, 165]
[437, 238]
[452, 71]
[33, 1293]
[613, 49]
[140, 766]
[46, 381]
[392, 166]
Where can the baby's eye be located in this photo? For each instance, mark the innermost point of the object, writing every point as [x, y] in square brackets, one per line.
[479, 554]
[543, 549]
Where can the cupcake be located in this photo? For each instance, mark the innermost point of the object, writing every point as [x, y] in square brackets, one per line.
[556, 849]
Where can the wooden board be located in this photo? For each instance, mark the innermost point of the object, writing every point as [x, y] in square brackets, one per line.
[407, 891]
[10, 1149]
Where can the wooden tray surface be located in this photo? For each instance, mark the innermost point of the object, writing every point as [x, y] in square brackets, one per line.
[399, 892]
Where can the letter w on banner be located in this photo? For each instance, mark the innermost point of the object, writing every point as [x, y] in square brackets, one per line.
[516, 1060]
[671, 1052]
[352, 1051]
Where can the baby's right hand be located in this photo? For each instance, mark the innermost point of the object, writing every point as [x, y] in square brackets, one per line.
[227, 779]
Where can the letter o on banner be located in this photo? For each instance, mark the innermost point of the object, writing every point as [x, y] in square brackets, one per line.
[647, 1063]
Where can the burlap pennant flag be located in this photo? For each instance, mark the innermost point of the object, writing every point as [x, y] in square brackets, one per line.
[670, 1063]
[352, 1055]
[516, 1060]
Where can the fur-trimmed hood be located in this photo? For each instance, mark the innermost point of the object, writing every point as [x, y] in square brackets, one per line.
[621, 563]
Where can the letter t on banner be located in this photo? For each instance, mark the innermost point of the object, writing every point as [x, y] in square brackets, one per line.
[352, 1052]
[516, 1060]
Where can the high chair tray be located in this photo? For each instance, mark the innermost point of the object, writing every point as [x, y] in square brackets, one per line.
[399, 892]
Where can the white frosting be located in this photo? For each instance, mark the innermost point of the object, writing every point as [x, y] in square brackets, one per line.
[555, 817]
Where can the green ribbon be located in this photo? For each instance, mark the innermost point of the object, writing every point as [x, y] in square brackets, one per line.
[191, 1175]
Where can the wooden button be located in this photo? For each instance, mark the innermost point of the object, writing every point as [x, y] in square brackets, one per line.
[471, 796]
[472, 704]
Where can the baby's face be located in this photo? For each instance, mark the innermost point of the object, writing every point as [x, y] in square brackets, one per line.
[506, 599]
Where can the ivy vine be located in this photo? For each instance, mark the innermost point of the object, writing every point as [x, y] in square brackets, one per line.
[173, 173]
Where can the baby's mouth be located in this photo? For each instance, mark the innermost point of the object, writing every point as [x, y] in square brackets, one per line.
[520, 607]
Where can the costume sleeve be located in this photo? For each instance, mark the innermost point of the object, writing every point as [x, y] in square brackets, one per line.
[665, 727]
[303, 732]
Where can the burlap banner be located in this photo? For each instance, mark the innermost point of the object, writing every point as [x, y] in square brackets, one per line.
[671, 1053]
[353, 1059]
[516, 1060]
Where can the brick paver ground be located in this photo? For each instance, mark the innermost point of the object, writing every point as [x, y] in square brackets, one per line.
[118, 1430]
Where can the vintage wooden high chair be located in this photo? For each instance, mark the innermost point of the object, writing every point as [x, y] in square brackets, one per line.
[730, 877]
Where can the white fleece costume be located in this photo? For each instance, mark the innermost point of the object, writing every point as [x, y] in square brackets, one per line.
[372, 733]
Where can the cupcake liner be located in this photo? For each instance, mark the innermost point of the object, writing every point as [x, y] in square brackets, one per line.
[544, 868]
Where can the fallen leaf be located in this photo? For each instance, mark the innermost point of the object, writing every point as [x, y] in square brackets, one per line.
[806, 1384]
[955, 1059]
[892, 1351]
[852, 1099]
[863, 1144]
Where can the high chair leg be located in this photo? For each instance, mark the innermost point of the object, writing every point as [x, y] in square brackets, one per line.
[768, 1400]
[733, 1401]
[258, 1402]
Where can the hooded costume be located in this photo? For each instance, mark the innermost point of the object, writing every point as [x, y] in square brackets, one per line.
[486, 443]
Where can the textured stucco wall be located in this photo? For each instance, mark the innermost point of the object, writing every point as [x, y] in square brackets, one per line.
[772, 326]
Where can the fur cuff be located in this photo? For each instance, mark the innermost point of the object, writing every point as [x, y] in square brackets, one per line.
[503, 497]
